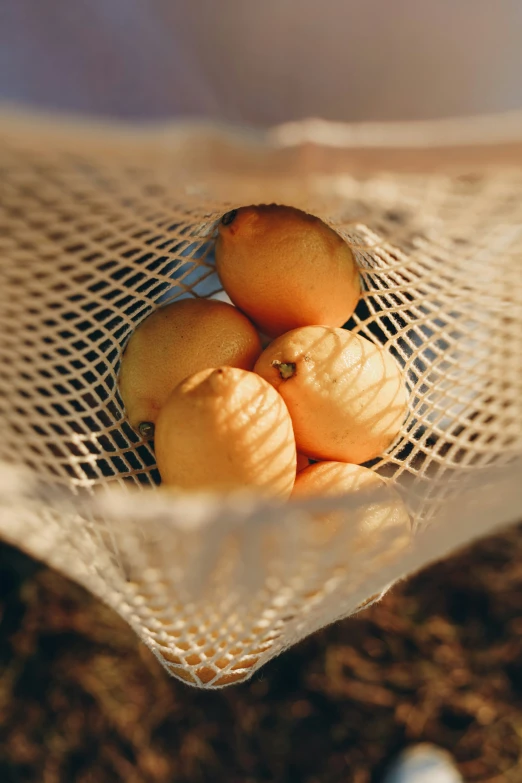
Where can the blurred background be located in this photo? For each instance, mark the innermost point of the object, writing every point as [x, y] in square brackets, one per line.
[265, 62]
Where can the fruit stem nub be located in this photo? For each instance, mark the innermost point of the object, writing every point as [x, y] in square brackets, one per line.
[286, 369]
[146, 429]
[229, 217]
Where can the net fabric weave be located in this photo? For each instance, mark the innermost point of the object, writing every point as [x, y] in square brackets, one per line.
[99, 226]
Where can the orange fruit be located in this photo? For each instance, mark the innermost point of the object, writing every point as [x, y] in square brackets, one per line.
[386, 513]
[176, 341]
[285, 268]
[346, 395]
[226, 429]
[302, 461]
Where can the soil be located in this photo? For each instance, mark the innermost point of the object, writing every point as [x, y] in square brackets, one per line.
[438, 660]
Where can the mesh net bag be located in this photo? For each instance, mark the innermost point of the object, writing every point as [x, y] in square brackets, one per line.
[99, 225]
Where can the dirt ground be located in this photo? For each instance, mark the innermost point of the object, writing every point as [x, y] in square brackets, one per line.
[439, 659]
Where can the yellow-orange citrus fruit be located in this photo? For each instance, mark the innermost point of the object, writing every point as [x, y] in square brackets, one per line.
[285, 268]
[386, 513]
[226, 429]
[346, 395]
[176, 341]
[302, 461]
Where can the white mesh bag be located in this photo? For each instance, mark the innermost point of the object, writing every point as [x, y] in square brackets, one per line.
[99, 225]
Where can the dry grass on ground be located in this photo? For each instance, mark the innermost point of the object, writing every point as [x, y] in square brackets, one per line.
[439, 659]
